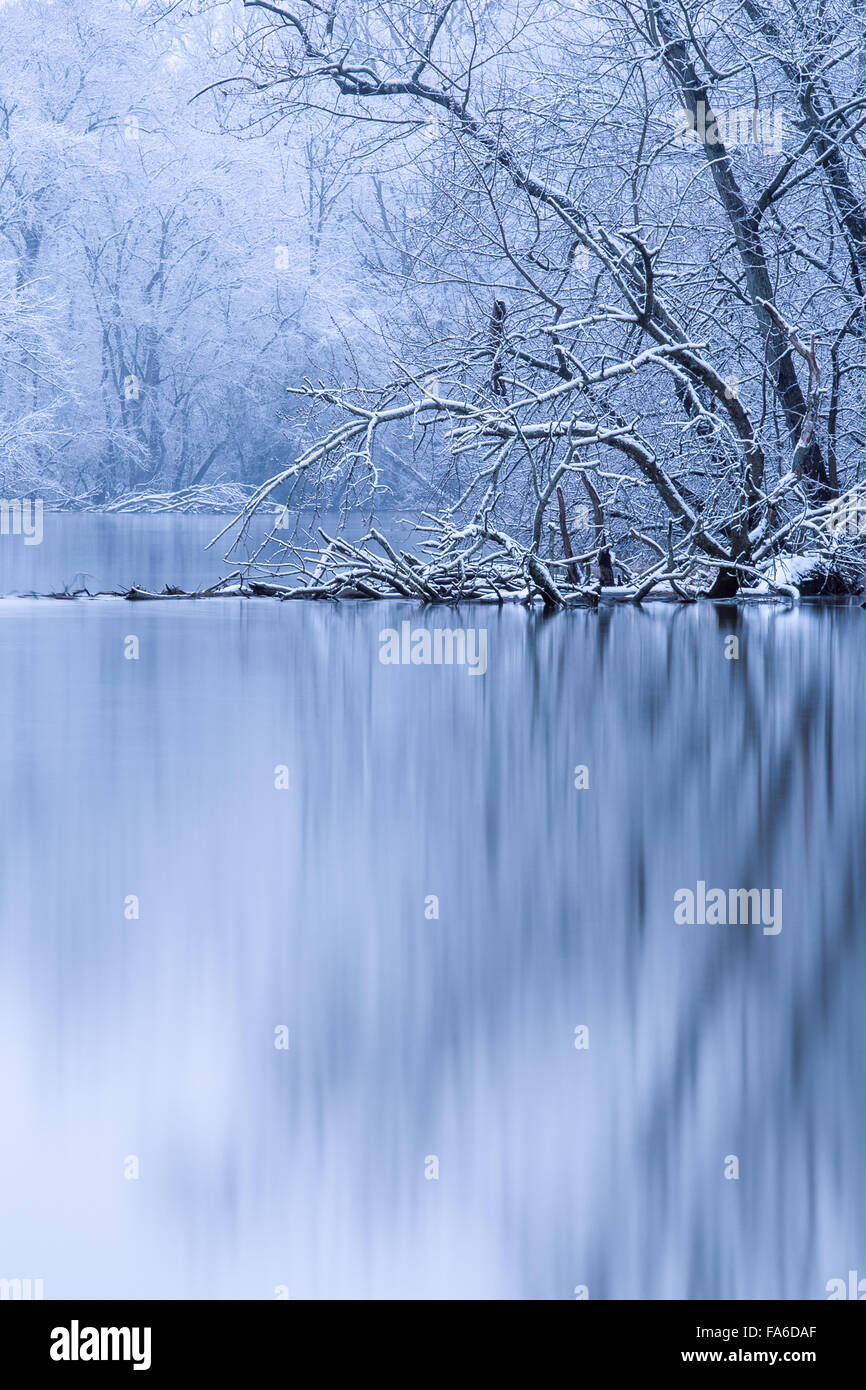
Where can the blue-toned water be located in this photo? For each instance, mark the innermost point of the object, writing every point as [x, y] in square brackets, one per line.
[111, 553]
[101, 552]
[309, 1170]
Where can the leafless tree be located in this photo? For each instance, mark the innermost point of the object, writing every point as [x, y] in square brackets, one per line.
[664, 201]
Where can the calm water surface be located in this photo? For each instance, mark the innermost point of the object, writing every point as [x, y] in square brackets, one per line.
[410, 1037]
[103, 553]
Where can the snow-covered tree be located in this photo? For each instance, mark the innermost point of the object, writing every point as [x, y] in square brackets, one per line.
[631, 242]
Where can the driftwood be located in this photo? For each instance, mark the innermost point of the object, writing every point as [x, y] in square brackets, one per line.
[811, 552]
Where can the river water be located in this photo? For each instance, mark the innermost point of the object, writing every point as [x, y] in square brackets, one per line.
[433, 1128]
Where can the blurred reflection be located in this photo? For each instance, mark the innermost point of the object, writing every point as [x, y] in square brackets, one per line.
[411, 1036]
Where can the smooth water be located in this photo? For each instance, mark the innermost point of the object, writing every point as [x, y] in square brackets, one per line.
[414, 1038]
[107, 553]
